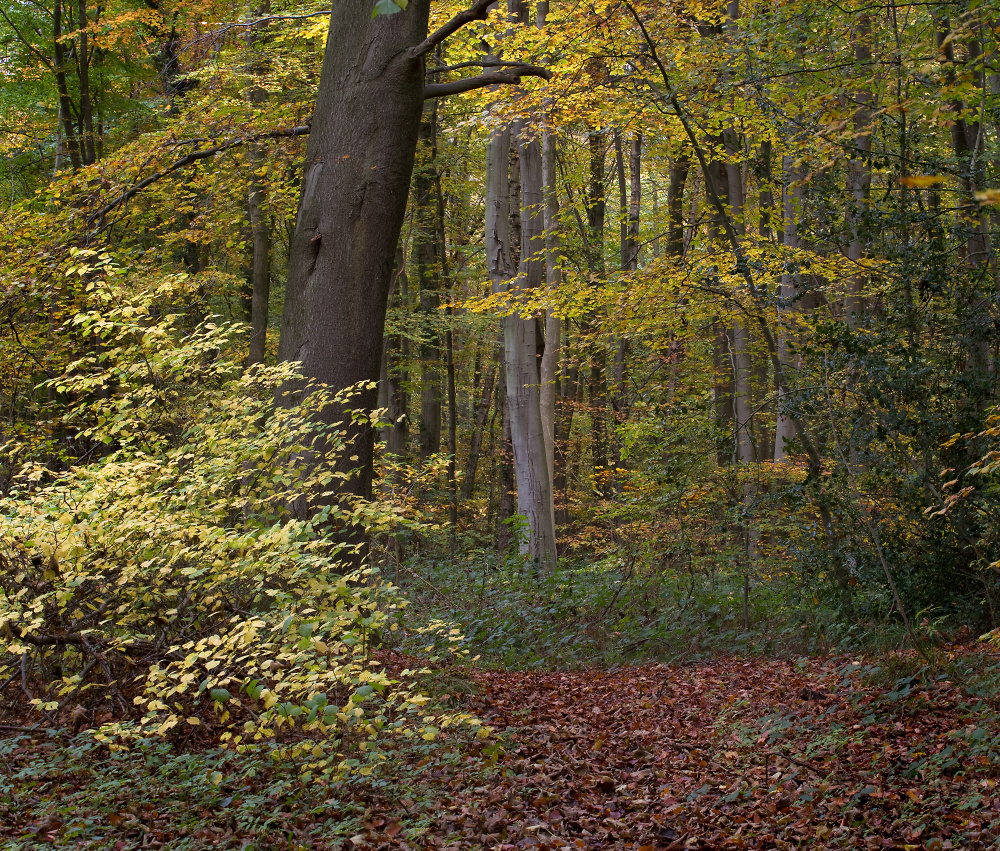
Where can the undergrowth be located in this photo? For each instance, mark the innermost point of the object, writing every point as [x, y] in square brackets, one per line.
[599, 614]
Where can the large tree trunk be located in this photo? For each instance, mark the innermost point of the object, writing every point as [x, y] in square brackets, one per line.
[358, 164]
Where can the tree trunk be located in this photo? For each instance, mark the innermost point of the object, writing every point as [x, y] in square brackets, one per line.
[426, 252]
[859, 174]
[679, 167]
[394, 374]
[531, 469]
[746, 452]
[358, 163]
[549, 367]
[83, 78]
[62, 86]
[260, 233]
[476, 442]
[596, 384]
[794, 196]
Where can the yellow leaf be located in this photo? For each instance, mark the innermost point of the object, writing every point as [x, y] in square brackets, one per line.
[922, 181]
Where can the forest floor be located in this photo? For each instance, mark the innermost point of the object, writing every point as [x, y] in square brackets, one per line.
[736, 753]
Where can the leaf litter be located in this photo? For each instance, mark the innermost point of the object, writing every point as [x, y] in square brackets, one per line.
[737, 753]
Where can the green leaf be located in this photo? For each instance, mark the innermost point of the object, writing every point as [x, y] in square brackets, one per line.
[388, 7]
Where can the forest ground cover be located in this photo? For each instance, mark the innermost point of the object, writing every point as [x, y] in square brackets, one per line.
[737, 752]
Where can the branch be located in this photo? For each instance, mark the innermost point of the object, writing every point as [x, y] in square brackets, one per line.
[476, 12]
[742, 267]
[476, 63]
[511, 76]
[193, 157]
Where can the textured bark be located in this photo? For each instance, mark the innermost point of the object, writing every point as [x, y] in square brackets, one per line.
[353, 198]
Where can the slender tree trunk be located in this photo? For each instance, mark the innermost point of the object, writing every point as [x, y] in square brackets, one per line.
[746, 452]
[549, 368]
[83, 78]
[596, 384]
[679, 167]
[394, 375]
[478, 427]
[260, 232]
[426, 254]
[794, 196]
[859, 174]
[62, 86]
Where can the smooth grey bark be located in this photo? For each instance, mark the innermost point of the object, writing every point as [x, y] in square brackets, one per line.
[549, 366]
[794, 197]
[358, 163]
[531, 467]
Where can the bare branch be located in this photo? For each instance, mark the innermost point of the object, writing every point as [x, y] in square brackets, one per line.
[191, 158]
[476, 12]
[476, 63]
[510, 76]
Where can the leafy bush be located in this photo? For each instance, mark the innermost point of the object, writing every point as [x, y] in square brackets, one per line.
[198, 568]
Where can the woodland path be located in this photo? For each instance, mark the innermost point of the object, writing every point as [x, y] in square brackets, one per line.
[731, 754]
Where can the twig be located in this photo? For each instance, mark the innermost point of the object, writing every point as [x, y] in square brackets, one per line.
[193, 157]
[49, 731]
[869, 525]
